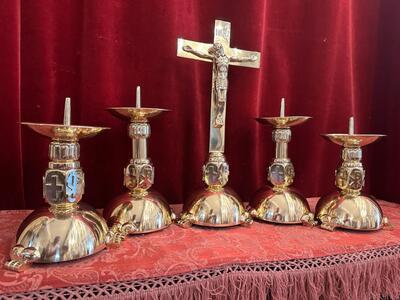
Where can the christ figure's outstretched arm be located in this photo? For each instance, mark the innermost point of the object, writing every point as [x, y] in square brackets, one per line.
[243, 59]
[196, 52]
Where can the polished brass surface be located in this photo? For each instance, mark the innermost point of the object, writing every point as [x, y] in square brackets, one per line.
[216, 206]
[353, 140]
[141, 210]
[283, 122]
[147, 212]
[137, 113]
[356, 212]
[63, 132]
[65, 230]
[280, 203]
[349, 208]
[286, 206]
[56, 238]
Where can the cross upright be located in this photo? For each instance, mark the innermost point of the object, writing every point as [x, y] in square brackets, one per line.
[221, 55]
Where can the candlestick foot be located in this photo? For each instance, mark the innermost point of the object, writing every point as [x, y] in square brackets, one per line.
[185, 220]
[328, 223]
[21, 258]
[173, 216]
[308, 220]
[118, 232]
[387, 225]
[284, 205]
[148, 212]
[246, 219]
[217, 208]
[356, 212]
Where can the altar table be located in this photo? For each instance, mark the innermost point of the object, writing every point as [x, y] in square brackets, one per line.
[261, 261]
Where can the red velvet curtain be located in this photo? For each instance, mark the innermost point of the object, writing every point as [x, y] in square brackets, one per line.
[330, 59]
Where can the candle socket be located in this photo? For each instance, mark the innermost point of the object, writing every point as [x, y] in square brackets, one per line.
[280, 203]
[349, 208]
[66, 230]
[141, 209]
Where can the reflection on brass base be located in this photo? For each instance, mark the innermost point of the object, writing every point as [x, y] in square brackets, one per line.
[129, 214]
[282, 206]
[350, 212]
[47, 238]
[215, 208]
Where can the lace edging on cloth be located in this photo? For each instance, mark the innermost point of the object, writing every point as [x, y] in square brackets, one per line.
[367, 274]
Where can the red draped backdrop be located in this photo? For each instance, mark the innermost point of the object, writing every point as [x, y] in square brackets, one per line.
[330, 59]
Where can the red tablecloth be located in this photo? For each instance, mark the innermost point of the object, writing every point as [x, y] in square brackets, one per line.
[263, 258]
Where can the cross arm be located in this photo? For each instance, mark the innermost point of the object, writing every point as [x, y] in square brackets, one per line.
[198, 51]
[244, 58]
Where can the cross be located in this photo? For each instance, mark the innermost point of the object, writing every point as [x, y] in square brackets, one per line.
[54, 187]
[221, 55]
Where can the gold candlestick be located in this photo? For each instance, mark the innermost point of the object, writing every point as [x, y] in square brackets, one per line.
[216, 205]
[67, 229]
[349, 208]
[142, 209]
[280, 203]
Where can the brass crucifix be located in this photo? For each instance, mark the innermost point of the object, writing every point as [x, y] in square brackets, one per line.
[221, 55]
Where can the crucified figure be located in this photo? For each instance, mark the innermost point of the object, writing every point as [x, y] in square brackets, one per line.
[220, 85]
